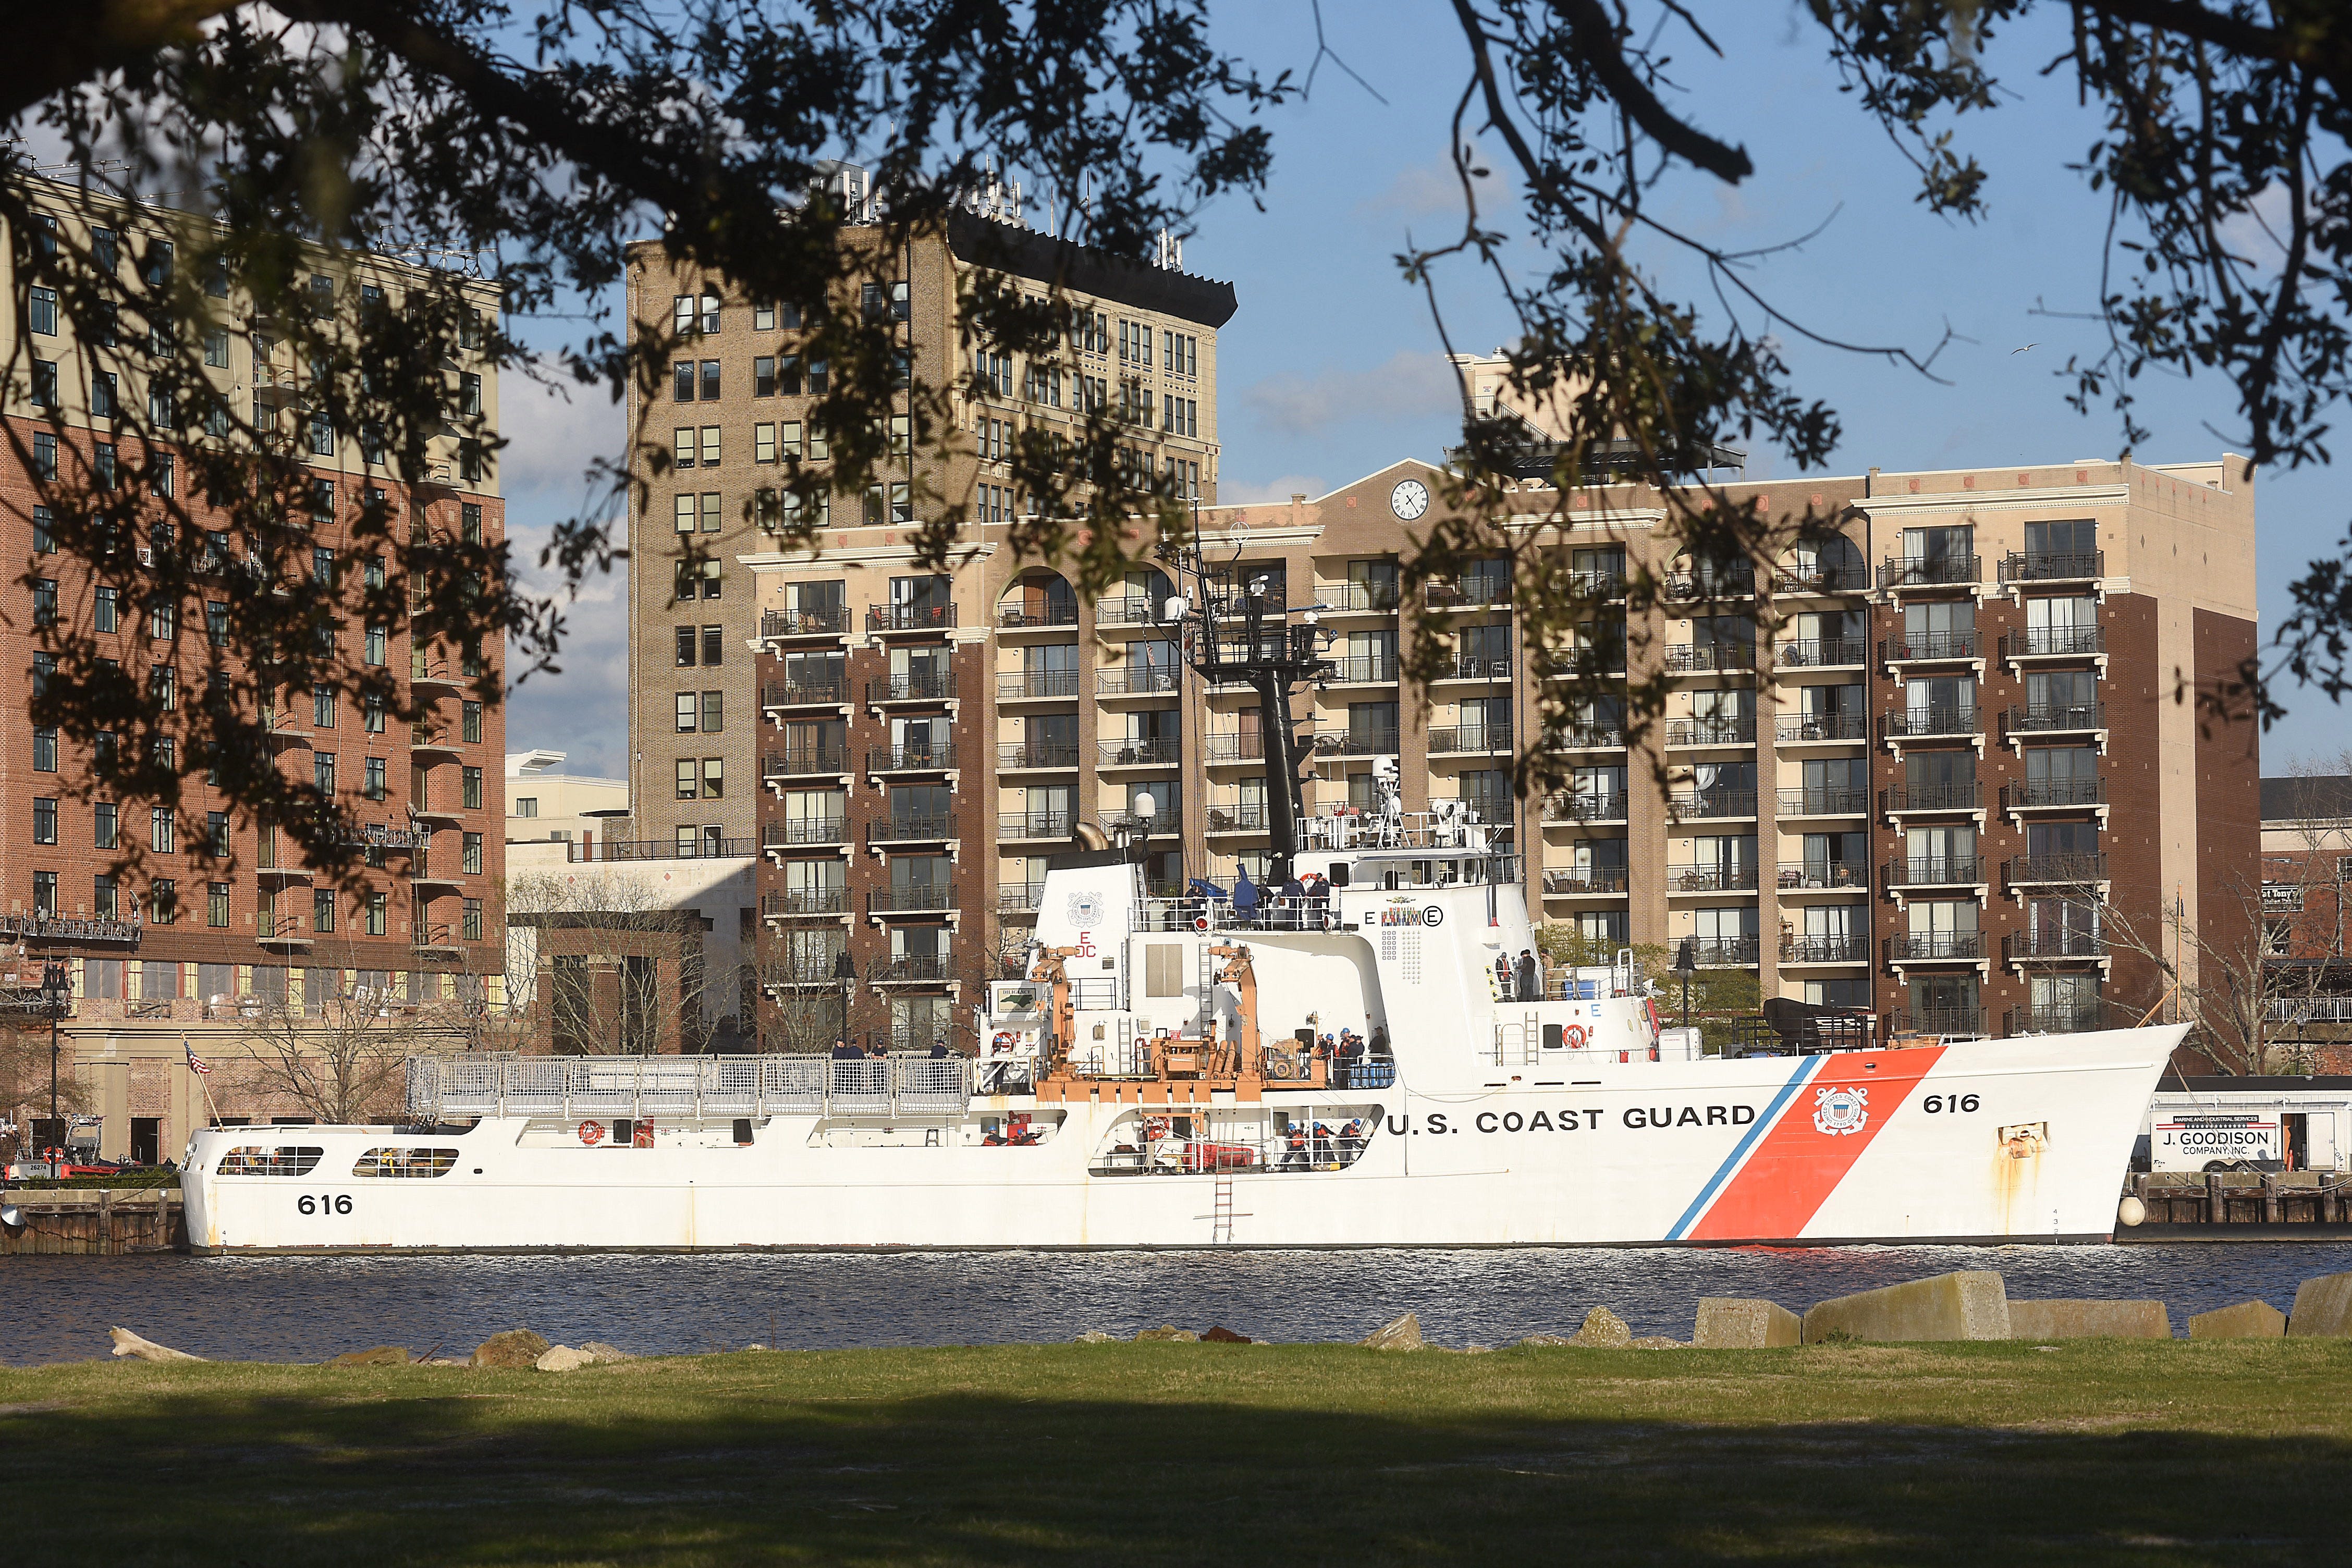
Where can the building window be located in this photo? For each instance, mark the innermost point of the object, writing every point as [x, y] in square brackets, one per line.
[711, 381]
[44, 893]
[685, 712]
[375, 647]
[714, 713]
[690, 778]
[470, 859]
[217, 623]
[374, 924]
[163, 685]
[216, 905]
[103, 898]
[372, 776]
[373, 571]
[217, 835]
[162, 901]
[470, 780]
[322, 909]
[714, 645]
[763, 376]
[160, 835]
[45, 819]
[469, 394]
[469, 724]
[714, 778]
[471, 920]
[45, 601]
[684, 511]
[323, 774]
[41, 312]
[372, 713]
[104, 817]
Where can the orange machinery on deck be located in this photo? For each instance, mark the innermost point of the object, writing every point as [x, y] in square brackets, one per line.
[1184, 1069]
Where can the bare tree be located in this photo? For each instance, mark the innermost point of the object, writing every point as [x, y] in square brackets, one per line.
[342, 1057]
[24, 1076]
[2217, 976]
[614, 966]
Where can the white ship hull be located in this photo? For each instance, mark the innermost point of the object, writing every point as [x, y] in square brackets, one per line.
[1970, 1142]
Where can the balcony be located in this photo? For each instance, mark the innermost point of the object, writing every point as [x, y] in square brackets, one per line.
[1706, 658]
[803, 902]
[1467, 594]
[1823, 877]
[803, 762]
[1156, 826]
[287, 932]
[1131, 610]
[1912, 800]
[1580, 661]
[1814, 727]
[1822, 653]
[1593, 583]
[1035, 683]
[935, 828]
[1456, 740]
[2066, 1018]
[910, 617]
[440, 740]
[1819, 801]
[1853, 947]
[2060, 719]
[915, 686]
[794, 974]
[1364, 669]
[805, 833]
[1853, 579]
[1735, 580]
[1035, 824]
[1575, 806]
[1240, 817]
[1587, 738]
[1581, 881]
[1711, 877]
[1236, 748]
[604, 851]
[422, 873]
[1698, 804]
[1019, 898]
[1014, 618]
[1941, 871]
[1967, 1021]
[1930, 572]
[1152, 752]
[1145, 680]
[922, 757]
[1351, 743]
[1721, 951]
[283, 731]
[2054, 642]
[1470, 666]
[1929, 648]
[780, 625]
[1936, 947]
[914, 898]
[913, 969]
[1929, 723]
[2055, 795]
[1354, 598]
[806, 693]
[424, 671]
[1737, 730]
[1021, 756]
[2064, 870]
[2032, 566]
[2054, 944]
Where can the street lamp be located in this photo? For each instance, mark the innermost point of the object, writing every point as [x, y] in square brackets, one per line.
[53, 987]
[845, 972]
[1686, 965]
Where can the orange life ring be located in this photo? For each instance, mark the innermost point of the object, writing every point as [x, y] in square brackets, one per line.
[1573, 1037]
[592, 1133]
[1003, 1042]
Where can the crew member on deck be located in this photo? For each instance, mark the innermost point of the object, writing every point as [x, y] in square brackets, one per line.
[1530, 985]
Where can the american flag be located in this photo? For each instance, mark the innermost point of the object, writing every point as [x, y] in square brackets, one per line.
[195, 1063]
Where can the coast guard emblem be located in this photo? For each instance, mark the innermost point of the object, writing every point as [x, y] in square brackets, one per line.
[1085, 910]
[1840, 1110]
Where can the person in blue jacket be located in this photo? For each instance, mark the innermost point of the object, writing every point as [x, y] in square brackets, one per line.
[1244, 896]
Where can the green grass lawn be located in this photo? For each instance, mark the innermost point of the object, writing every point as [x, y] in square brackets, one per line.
[2145, 1453]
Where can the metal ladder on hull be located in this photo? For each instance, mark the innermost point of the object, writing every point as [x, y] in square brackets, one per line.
[1221, 1216]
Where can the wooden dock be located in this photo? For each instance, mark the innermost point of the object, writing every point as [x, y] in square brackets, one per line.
[95, 1221]
[2241, 1206]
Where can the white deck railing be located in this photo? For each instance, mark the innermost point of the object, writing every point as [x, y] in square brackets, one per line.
[693, 1087]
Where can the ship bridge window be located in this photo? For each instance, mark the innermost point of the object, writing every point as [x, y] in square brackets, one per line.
[253, 1160]
[410, 1162]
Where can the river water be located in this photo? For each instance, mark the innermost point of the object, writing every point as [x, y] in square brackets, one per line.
[308, 1308]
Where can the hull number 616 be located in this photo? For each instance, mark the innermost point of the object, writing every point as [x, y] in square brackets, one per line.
[340, 1204]
[1948, 1102]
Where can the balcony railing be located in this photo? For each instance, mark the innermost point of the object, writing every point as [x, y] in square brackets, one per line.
[914, 898]
[1375, 597]
[1575, 881]
[1936, 947]
[1900, 798]
[1589, 738]
[1731, 581]
[1819, 876]
[1016, 618]
[912, 968]
[1923, 723]
[1131, 610]
[1853, 579]
[799, 762]
[1737, 730]
[807, 970]
[1036, 683]
[1023, 756]
[1239, 816]
[1159, 825]
[1156, 751]
[804, 833]
[928, 828]
[829, 623]
[1019, 898]
[1576, 806]
[2323, 1008]
[916, 686]
[2053, 642]
[1583, 660]
[937, 756]
[1938, 871]
[1822, 653]
[1143, 681]
[1471, 667]
[909, 617]
[2032, 566]
[1721, 951]
[1035, 824]
[1593, 582]
[804, 693]
[1927, 648]
[1825, 801]
[1240, 748]
[2054, 944]
[1351, 743]
[2069, 869]
[1698, 657]
[1362, 670]
[1470, 738]
[804, 901]
[1824, 727]
[2058, 719]
[1713, 803]
[2066, 1018]
[1929, 571]
[1712, 878]
[1473, 593]
[1853, 947]
[1935, 1021]
[2037, 794]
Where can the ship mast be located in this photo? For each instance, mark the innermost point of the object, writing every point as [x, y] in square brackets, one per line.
[1275, 657]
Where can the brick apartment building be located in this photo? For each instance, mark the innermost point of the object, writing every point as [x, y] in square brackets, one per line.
[222, 920]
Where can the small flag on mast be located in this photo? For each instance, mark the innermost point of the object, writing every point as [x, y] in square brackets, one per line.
[195, 1064]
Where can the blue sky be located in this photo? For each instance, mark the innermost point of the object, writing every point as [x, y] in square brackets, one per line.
[1331, 368]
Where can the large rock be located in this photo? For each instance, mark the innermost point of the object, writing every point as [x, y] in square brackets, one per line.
[516, 1348]
[1973, 1304]
[1221, 1335]
[1602, 1330]
[1168, 1333]
[563, 1358]
[377, 1355]
[1745, 1323]
[1402, 1334]
[606, 1354]
[131, 1344]
[2323, 1307]
[2065, 1320]
[1098, 1337]
[2246, 1321]
[1541, 1342]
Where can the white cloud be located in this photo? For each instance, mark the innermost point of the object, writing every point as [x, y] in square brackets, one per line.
[1411, 386]
[1434, 189]
[1245, 493]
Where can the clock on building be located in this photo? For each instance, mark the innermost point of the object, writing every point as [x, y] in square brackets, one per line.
[1409, 500]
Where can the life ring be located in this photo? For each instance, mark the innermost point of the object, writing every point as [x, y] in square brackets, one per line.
[1003, 1043]
[1573, 1037]
[1200, 923]
[592, 1133]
